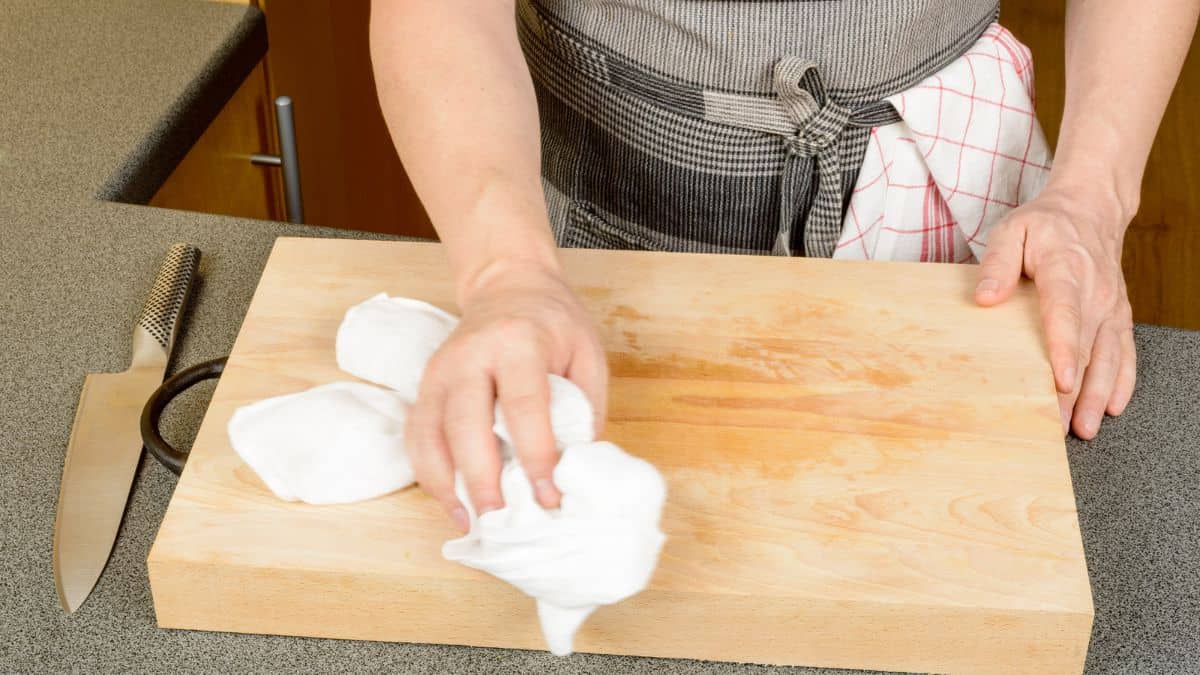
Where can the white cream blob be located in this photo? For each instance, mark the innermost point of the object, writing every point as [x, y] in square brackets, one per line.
[333, 444]
[599, 547]
[388, 341]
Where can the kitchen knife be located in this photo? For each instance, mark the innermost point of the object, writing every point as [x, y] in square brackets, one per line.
[106, 443]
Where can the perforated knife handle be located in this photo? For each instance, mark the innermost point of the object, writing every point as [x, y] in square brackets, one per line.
[158, 323]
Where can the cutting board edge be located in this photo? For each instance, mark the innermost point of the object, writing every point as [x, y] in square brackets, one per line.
[290, 240]
[197, 596]
[1083, 605]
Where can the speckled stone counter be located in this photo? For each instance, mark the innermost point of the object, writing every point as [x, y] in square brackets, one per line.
[98, 100]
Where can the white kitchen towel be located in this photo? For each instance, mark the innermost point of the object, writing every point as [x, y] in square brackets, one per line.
[571, 416]
[599, 547]
[344, 442]
[967, 151]
[333, 444]
[388, 341]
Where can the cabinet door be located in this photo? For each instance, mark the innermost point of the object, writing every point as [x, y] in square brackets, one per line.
[351, 177]
[216, 175]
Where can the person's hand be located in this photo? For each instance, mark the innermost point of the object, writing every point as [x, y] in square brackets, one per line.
[519, 322]
[1069, 243]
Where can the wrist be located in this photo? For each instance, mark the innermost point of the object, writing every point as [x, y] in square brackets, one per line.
[1094, 167]
[1110, 203]
[503, 234]
[1089, 211]
[515, 270]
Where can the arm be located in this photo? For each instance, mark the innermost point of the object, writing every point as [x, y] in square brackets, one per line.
[1122, 60]
[460, 106]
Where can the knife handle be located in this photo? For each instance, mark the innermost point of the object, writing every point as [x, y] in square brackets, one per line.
[158, 323]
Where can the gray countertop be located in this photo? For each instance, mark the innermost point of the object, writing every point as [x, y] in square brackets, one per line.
[100, 98]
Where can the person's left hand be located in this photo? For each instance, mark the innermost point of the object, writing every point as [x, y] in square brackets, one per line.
[1069, 243]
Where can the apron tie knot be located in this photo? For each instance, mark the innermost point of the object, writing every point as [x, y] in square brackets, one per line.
[820, 123]
[822, 130]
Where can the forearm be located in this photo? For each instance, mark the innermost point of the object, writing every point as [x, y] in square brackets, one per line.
[1122, 60]
[460, 106]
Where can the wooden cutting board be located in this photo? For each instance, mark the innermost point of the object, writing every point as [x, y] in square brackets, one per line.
[865, 470]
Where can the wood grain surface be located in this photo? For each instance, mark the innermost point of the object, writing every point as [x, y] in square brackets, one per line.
[865, 470]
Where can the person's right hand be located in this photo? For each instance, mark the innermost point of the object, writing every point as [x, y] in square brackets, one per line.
[520, 321]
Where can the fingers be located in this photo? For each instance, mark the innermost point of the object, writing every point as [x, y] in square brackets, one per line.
[1065, 246]
[430, 455]
[1126, 376]
[1098, 383]
[1001, 267]
[467, 425]
[1066, 405]
[589, 371]
[513, 332]
[1062, 317]
[524, 395]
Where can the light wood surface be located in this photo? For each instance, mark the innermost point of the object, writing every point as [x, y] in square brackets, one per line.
[865, 470]
[216, 175]
[1162, 246]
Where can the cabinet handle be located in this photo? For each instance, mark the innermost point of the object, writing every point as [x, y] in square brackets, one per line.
[288, 160]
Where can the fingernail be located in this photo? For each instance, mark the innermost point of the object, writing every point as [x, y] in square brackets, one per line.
[459, 514]
[547, 495]
[987, 286]
[1091, 422]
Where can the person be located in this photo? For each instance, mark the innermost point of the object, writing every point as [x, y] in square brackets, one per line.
[604, 125]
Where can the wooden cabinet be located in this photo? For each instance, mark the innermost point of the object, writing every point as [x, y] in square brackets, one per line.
[319, 55]
[216, 175]
[351, 176]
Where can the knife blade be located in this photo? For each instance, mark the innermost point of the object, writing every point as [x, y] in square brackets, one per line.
[105, 444]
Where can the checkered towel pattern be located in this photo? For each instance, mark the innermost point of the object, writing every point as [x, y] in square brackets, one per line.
[967, 151]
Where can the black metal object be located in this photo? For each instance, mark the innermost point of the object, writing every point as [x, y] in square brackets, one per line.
[175, 385]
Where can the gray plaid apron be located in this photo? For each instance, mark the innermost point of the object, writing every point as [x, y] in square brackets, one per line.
[722, 125]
